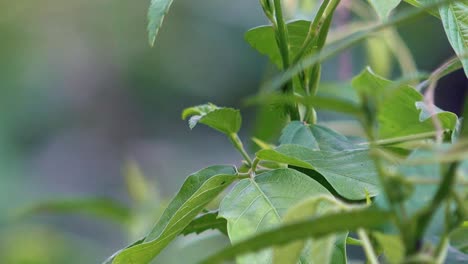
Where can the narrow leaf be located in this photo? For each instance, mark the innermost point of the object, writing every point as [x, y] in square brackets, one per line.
[157, 10]
[198, 190]
[97, 207]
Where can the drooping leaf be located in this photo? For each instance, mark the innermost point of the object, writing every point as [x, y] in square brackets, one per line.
[319, 250]
[312, 228]
[263, 40]
[204, 222]
[157, 10]
[383, 8]
[259, 204]
[97, 207]
[401, 109]
[454, 16]
[225, 120]
[315, 137]
[198, 190]
[351, 173]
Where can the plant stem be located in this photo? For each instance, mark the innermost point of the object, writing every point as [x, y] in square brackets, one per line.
[283, 44]
[235, 140]
[282, 34]
[397, 140]
[368, 249]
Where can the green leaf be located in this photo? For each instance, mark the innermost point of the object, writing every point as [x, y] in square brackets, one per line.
[225, 120]
[454, 17]
[383, 8]
[263, 40]
[205, 222]
[319, 250]
[198, 190]
[401, 109]
[351, 173]
[315, 137]
[259, 204]
[157, 10]
[459, 239]
[392, 247]
[97, 207]
[420, 4]
[311, 228]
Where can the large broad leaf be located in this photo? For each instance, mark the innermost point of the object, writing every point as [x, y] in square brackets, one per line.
[157, 10]
[206, 221]
[225, 120]
[198, 190]
[313, 228]
[401, 110]
[315, 137]
[259, 204]
[263, 39]
[454, 17]
[316, 250]
[383, 8]
[351, 173]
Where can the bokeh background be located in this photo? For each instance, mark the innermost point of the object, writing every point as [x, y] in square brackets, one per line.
[82, 94]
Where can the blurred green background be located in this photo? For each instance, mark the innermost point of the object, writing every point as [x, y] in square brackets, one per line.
[81, 93]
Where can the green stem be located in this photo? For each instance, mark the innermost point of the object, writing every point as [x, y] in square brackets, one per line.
[283, 44]
[397, 140]
[367, 246]
[282, 34]
[235, 140]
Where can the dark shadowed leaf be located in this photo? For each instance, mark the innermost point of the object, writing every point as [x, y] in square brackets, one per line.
[206, 221]
[351, 173]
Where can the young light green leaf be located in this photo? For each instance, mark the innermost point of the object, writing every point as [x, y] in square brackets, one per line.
[311, 228]
[157, 10]
[259, 204]
[454, 17]
[319, 250]
[98, 207]
[401, 109]
[383, 8]
[315, 137]
[225, 120]
[206, 221]
[351, 173]
[392, 247]
[198, 190]
[263, 40]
